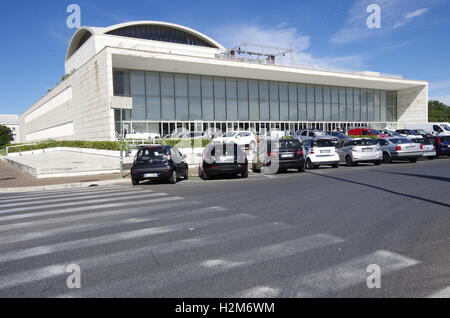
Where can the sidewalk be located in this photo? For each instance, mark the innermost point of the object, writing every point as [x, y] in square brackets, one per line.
[11, 177]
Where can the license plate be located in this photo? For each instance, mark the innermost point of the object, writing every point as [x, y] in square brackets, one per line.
[410, 147]
[229, 158]
[287, 156]
[367, 150]
[325, 151]
[151, 175]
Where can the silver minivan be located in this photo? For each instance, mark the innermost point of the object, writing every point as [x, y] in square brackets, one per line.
[352, 152]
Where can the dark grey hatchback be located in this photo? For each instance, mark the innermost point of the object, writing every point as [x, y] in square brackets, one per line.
[159, 163]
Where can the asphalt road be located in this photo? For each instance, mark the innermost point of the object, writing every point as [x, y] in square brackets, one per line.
[291, 235]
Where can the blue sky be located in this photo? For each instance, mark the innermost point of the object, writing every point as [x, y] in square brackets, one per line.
[413, 39]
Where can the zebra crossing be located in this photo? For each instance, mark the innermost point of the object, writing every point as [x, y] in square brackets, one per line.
[141, 242]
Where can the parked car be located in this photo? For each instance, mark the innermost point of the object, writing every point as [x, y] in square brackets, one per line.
[320, 152]
[223, 159]
[423, 133]
[339, 135]
[429, 151]
[159, 163]
[359, 150]
[395, 148]
[409, 133]
[390, 133]
[289, 155]
[442, 145]
[303, 135]
[242, 138]
[366, 132]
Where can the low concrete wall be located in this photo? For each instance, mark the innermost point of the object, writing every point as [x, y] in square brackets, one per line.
[109, 153]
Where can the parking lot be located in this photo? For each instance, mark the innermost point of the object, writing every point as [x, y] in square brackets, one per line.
[285, 235]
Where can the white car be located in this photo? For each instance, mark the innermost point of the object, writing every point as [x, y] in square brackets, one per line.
[242, 138]
[320, 152]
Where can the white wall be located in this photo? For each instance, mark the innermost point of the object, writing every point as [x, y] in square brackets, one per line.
[64, 130]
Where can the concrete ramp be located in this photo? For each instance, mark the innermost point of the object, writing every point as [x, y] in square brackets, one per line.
[59, 164]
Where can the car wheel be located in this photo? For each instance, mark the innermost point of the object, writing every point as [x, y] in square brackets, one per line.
[309, 164]
[335, 166]
[430, 158]
[413, 160]
[173, 178]
[301, 169]
[204, 175]
[387, 158]
[244, 175]
[377, 163]
[255, 170]
[349, 161]
[135, 181]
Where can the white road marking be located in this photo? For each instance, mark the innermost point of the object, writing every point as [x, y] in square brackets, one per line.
[201, 270]
[345, 275]
[92, 225]
[444, 293]
[65, 197]
[151, 207]
[116, 237]
[258, 292]
[57, 205]
[127, 256]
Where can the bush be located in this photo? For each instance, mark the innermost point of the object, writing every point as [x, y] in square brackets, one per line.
[186, 143]
[99, 145]
[371, 137]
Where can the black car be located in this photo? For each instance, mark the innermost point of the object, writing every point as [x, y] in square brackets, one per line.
[289, 155]
[159, 163]
[442, 145]
[224, 159]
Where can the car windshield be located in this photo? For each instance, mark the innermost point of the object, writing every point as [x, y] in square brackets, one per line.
[421, 131]
[224, 150]
[423, 141]
[445, 139]
[374, 132]
[230, 134]
[322, 143]
[290, 143]
[400, 141]
[320, 133]
[446, 127]
[152, 153]
[363, 142]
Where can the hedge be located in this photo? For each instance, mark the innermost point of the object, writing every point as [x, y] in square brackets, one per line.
[186, 143]
[99, 145]
[372, 137]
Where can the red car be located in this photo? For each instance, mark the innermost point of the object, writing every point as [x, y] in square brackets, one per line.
[366, 132]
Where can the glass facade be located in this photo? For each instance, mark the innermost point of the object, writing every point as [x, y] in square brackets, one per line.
[185, 98]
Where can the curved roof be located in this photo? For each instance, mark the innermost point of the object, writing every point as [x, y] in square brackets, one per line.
[194, 37]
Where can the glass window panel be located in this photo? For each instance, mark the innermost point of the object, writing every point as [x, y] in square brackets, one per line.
[195, 108]
[153, 108]
[349, 109]
[327, 112]
[126, 115]
[284, 101]
[301, 102]
[231, 91]
[274, 101]
[181, 85]
[342, 104]
[364, 104]
[310, 103]
[139, 108]
[293, 104]
[121, 83]
[327, 94]
[207, 87]
[254, 99]
[137, 83]
[319, 102]
[377, 106]
[168, 108]
[139, 128]
[194, 86]
[357, 104]
[264, 100]
[167, 85]
[182, 109]
[370, 101]
[152, 84]
[208, 108]
[243, 99]
[383, 106]
[219, 99]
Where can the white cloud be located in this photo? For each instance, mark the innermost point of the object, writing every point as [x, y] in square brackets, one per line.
[435, 86]
[394, 14]
[287, 38]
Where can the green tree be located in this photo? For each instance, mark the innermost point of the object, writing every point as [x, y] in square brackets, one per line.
[438, 112]
[6, 135]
